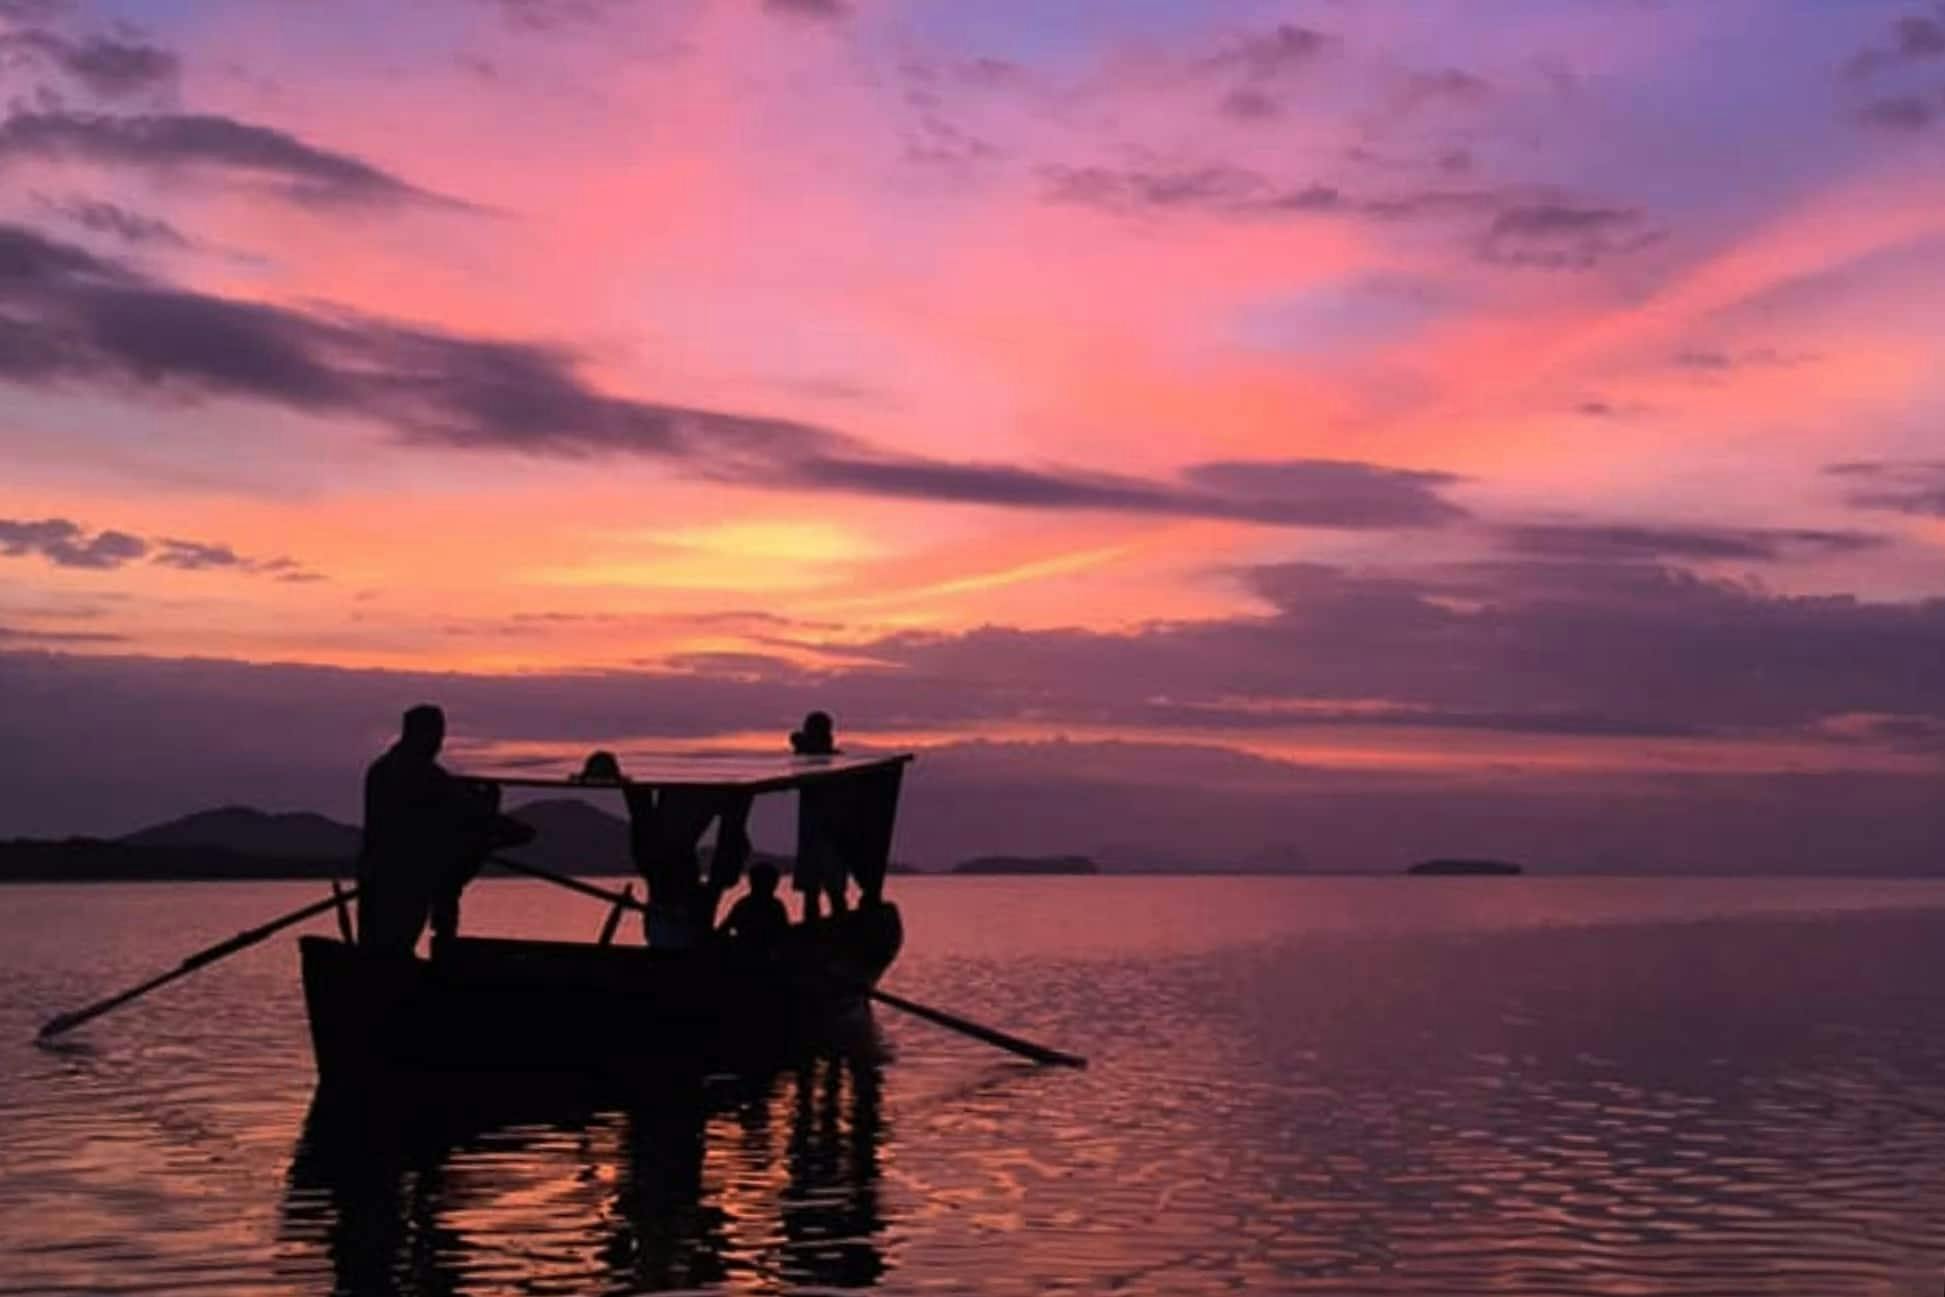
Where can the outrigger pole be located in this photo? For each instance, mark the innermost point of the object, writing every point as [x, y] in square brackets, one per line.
[64, 1022]
[952, 1022]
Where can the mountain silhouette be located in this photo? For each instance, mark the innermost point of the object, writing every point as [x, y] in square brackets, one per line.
[234, 842]
[287, 835]
[569, 834]
[572, 835]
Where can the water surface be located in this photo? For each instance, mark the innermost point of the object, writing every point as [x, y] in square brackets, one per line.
[1327, 1085]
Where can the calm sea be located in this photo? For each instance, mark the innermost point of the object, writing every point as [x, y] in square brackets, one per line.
[1297, 1086]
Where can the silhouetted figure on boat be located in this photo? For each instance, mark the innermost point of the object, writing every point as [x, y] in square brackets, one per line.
[425, 835]
[482, 831]
[817, 738]
[818, 875]
[843, 826]
[758, 921]
[665, 829]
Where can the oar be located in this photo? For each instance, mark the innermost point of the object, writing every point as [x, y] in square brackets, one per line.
[1025, 1048]
[952, 1022]
[64, 1022]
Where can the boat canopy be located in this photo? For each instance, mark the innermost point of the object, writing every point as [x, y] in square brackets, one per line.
[846, 809]
[732, 772]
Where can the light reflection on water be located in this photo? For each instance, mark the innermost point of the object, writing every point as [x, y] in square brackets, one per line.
[1329, 1086]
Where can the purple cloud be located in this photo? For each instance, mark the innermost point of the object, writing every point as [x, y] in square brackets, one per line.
[1269, 55]
[108, 67]
[1898, 486]
[65, 543]
[1564, 649]
[98, 216]
[820, 10]
[1613, 543]
[29, 637]
[1905, 113]
[69, 316]
[1449, 83]
[1307, 493]
[1915, 38]
[224, 146]
[1717, 360]
[1523, 227]
[68, 544]
[1564, 236]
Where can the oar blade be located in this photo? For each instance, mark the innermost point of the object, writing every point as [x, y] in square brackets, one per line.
[979, 1031]
[61, 1023]
[57, 1024]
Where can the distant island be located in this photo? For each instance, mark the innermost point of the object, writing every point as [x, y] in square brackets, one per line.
[1027, 865]
[1465, 869]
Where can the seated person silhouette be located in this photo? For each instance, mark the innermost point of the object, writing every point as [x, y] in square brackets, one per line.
[665, 826]
[758, 920]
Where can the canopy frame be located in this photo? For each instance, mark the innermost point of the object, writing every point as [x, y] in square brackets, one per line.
[727, 773]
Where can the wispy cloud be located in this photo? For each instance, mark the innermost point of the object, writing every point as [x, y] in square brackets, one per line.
[67, 315]
[27, 636]
[99, 216]
[1565, 236]
[1904, 113]
[1898, 486]
[209, 143]
[1620, 543]
[66, 543]
[109, 67]
[821, 10]
[1914, 39]
[1523, 227]
[1301, 493]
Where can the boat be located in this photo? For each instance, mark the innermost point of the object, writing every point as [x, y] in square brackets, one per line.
[508, 1009]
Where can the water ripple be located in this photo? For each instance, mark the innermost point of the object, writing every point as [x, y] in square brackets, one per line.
[1325, 1087]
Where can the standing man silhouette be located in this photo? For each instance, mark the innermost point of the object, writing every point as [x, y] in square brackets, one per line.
[426, 833]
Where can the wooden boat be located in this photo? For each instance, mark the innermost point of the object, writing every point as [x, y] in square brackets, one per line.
[535, 1009]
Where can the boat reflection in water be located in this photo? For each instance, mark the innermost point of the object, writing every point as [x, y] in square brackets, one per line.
[768, 1179]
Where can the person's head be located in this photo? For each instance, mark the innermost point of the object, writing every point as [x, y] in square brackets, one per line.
[763, 879]
[423, 731]
[601, 767]
[816, 738]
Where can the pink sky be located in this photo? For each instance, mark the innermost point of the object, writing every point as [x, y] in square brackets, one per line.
[1388, 387]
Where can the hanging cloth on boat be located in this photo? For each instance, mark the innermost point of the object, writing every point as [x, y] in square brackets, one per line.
[665, 827]
[844, 828]
[732, 851]
[819, 867]
[864, 842]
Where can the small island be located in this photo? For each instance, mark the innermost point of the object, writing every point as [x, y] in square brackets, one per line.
[1027, 865]
[1445, 868]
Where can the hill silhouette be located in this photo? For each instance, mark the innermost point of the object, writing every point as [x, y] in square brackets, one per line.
[242, 842]
[244, 830]
[573, 835]
[569, 834]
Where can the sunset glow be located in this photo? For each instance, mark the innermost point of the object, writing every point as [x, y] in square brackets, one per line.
[1548, 387]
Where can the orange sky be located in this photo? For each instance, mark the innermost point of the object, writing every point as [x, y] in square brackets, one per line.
[1625, 277]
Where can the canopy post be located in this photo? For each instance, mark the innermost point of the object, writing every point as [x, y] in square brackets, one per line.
[623, 902]
[345, 929]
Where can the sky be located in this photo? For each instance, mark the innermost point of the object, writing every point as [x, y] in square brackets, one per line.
[1300, 435]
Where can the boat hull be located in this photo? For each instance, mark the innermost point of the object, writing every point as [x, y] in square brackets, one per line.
[540, 1010]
